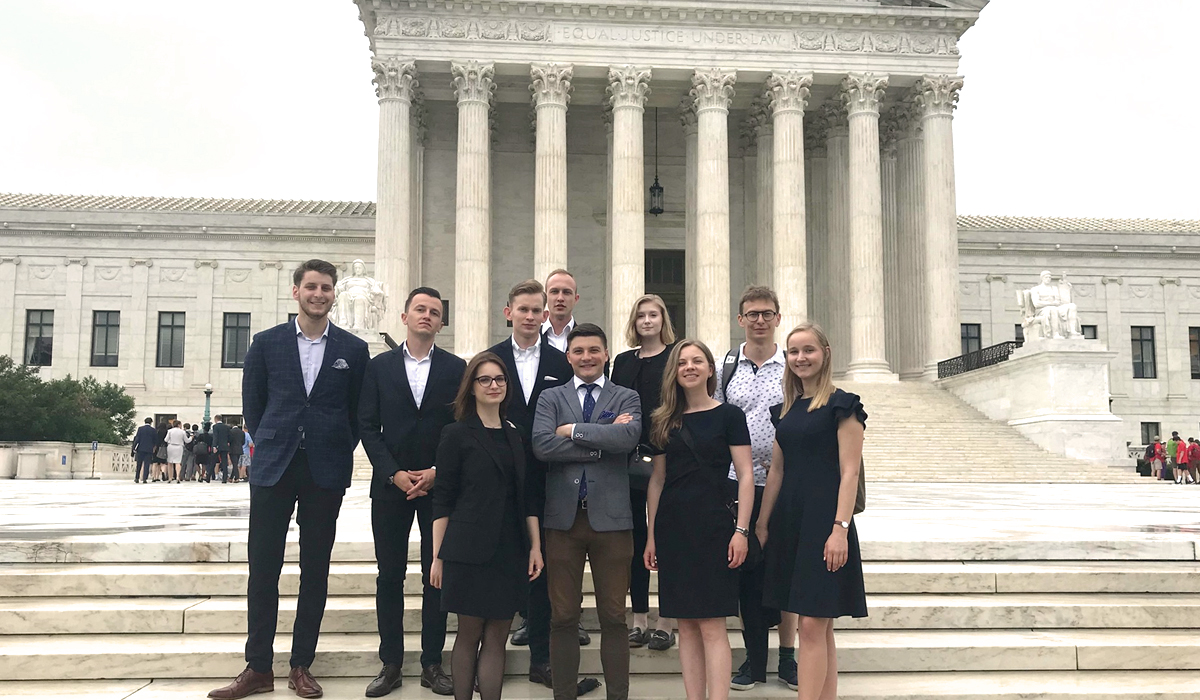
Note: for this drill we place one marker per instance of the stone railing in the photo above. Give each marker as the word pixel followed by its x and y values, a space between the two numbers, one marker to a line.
pixel 64 460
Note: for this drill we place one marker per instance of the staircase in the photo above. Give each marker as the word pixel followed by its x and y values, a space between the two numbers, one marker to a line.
pixel 917 432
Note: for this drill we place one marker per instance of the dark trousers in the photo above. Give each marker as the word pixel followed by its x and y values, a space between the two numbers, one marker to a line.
pixel 141 472
pixel 537 619
pixel 391 522
pixel 609 553
pixel 757 619
pixel 270 516
pixel 639 575
pixel 223 463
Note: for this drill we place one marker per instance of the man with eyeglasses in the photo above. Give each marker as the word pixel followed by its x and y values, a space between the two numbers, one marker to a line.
pixel 407 399
pixel 751 378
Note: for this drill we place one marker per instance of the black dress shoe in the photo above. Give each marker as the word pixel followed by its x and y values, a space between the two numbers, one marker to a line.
pixel 389 679
pixel 434 678
pixel 541 674
pixel 584 638
pixel 520 637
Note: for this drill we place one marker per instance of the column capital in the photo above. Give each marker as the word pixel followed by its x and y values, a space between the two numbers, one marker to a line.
pixel 863 92
pixel 75 260
pixel 816 130
pixel 713 88
pixel 788 91
pixel 937 95
pixel 834 115
pixel 628 86
pixel 550 83
pixel 395 79
pixel 995 278
pixel 687 115
pixel 1112 280
pixel 907 118
pixel 891 130
pixel 473 81
pixel 213 264
pixel 14 259
pixel 760 116
pixel 264 264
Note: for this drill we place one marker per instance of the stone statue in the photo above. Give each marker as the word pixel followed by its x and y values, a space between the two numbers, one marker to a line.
pixel 1048 310
pixel 359 300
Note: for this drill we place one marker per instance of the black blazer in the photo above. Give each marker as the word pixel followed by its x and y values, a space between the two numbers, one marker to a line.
pixel 553 370
pixel 470 490
pixel 221 437
pixel 397 435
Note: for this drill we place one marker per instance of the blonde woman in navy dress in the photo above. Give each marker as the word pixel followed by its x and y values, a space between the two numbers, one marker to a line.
pixel 813 564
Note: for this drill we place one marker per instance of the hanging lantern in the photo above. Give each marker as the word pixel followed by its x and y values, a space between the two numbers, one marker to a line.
pixel 656 190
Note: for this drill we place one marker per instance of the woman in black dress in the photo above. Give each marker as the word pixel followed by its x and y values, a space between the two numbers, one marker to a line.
pixel 813 564
pixel 486 541
pixel 641 369
pixel 694 542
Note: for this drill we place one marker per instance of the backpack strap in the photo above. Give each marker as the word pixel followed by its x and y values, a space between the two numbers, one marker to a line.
pixel 728 367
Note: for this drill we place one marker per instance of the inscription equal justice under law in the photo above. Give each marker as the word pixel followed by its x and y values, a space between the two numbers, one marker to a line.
pixel 686 36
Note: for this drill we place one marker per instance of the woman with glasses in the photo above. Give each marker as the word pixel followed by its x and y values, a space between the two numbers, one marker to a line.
pixel 486 541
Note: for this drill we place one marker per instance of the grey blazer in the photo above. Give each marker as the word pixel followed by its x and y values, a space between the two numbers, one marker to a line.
pixel 599 447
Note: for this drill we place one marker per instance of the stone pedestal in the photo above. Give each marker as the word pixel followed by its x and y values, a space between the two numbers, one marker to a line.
pixel 1054 392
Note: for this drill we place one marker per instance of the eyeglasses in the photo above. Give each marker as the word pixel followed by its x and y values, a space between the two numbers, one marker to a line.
pixel 764 315
pixel 498 380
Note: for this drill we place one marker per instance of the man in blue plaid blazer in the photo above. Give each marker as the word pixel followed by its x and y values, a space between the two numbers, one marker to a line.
pixel 300 387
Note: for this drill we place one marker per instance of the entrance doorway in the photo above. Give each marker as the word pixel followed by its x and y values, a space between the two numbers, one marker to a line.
pixel 666 276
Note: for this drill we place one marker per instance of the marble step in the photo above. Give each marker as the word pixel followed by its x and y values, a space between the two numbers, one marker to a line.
pixel 356 614
pixel 1019 685
pixel 81 657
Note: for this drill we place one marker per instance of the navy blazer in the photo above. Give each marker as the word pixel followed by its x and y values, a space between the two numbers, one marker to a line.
pixel 278 413
pixel 396 434
pixel 145 439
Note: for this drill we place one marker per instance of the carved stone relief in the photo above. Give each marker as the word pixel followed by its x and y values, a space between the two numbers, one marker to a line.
pixel 237 275
pixel 108 272
pixel 173 274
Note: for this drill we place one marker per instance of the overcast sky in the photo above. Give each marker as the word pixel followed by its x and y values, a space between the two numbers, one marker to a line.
pixel 1071 107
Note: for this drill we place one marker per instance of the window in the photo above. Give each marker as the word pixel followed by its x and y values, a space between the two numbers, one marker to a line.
pixel 1149 432
pixel 1144 366
pixel 1194 350
pixel 39 338
pixel 235 340
pixel 1090 332
pixel 170 338
pixel 106 335
pixel 163 418
pixel 1019 333
pixel 971 334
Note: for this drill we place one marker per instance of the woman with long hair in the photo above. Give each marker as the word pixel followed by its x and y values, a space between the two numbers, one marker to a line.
pixel 814 567
pixel 697 539
pixel 652 336
pixel 486 541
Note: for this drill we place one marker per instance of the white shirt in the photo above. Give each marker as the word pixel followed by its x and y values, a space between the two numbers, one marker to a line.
pixel 583 392
pixel 312 354
pixel 527 362
pixel 755 392
pixel 558 341
pixel 417 371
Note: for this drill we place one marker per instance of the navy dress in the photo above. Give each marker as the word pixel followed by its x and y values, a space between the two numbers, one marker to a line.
pixel 692 526
pixel 804 514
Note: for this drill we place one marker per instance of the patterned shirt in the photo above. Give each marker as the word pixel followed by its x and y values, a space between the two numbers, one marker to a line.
pixel 755 390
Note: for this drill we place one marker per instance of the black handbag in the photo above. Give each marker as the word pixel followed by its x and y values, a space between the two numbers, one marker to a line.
pixel 641 466
pixel 754 553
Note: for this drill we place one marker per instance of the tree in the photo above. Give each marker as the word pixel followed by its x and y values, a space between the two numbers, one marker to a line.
pixel 66 410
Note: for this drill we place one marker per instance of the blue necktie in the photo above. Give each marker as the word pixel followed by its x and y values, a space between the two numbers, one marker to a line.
pixel 589 405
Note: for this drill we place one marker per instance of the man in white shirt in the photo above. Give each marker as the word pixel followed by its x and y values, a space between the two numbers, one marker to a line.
pixel 563 294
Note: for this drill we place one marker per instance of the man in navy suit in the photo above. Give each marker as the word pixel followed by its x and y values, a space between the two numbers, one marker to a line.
pixel 300 388
pixel 143 450
pixel 534 365
pixel 407 398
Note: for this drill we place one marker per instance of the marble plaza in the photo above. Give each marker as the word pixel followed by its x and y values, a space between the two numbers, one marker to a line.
pixel 1058 591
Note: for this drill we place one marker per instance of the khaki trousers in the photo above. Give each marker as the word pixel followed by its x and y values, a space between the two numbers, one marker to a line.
pixel 610 554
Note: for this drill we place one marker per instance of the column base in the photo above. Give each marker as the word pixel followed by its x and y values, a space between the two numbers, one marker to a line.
pixel 871 372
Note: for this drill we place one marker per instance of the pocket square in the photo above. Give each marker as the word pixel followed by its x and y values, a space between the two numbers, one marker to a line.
pixel 340 364
pixel 548 378
pixel 605 415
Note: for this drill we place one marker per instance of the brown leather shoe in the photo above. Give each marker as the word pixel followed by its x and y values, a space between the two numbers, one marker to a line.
pixel 434 678
pixel 301 681
pixel 247 683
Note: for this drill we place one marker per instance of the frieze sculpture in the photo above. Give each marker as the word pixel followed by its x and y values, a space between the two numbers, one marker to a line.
pixel 1048 311
pixel 359 301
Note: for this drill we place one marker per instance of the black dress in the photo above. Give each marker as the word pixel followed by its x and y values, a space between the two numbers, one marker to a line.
pixel 804 514
pixel 496 589
pixel 692 527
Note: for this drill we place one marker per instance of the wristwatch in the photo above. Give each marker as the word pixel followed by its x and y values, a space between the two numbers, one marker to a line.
pixel 744 531
pixel 844 523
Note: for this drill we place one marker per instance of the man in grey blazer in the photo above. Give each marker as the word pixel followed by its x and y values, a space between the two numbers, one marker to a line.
pixel 584 430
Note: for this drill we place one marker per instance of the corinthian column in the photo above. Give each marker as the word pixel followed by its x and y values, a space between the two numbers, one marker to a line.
pixel 628 87
pixel 763 134
pixel 395 83
pixel 687 116
pixel 473 207
pixel 816 169
pixel 712 90
pixel 889 131
pixel 910 241
pixel 938 95
pixel 788 92
pixel 551 88
pixel 862 93
pixel 837 323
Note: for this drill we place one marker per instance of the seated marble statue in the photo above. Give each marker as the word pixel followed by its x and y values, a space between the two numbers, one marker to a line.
pixel 1053 312
pixel 359 300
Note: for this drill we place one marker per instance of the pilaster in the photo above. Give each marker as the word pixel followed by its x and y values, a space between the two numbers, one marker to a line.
pixel 136 345
pixel 8 310
pixel 1175 340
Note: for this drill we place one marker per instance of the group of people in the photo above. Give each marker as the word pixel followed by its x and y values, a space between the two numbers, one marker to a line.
pixel 1175 460
pixel 179 452
pixel 531 460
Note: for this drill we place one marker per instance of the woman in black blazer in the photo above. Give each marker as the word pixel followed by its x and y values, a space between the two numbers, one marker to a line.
pixel 486 541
